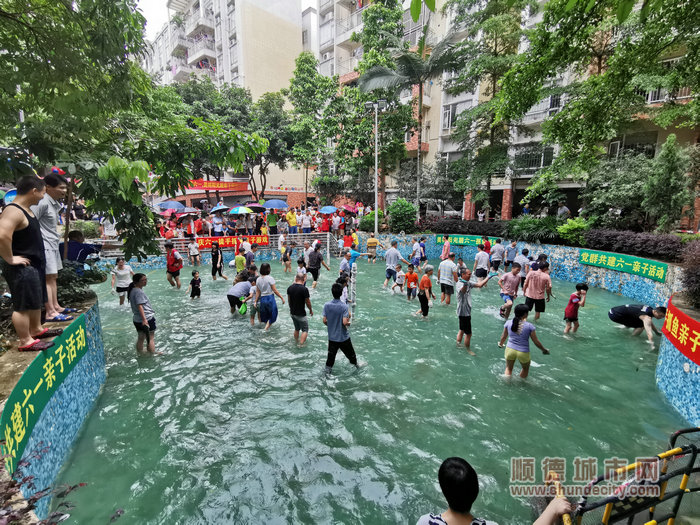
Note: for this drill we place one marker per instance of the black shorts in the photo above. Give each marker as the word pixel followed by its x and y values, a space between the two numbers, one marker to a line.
pixel 422 259
pixel 27 285
pixel 176 273
pixel 539 304
pixel 629 322
pixel 495 265
pixel 140 327
pixel 234 301
pixel 522 282
pixel 481 273
pixel 195 292
pixel 285 257
pixel 314 273
pixel 507 263
pixel 447 289
pixel 424 305
pixel 465 324
pixel 122 289
pixel 571 319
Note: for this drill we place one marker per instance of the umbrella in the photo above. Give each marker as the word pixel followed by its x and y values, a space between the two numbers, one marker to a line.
pixel 240 210
pixel 189 209
pixel 10 196
pixel 168 213
pixel 328 209
pixel 276 204
pixel 218 208
pixel 349 208
pixel 256 207
pixel 172 204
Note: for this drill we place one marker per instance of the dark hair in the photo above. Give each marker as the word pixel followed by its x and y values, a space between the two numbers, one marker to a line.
pixel 75 235
pixel 661 309
pixel 581 286
pixel 119 259
pixel 169 245
pixel 516 265
pixel 498 240
pixel 194 272
pixel 337 290
pixel 480 246
pixel 301 260
pixel 394 243
pixel 265 269
pixel 525 251
pixel 254 245
pixel 543 265
pixel 252 279
pixel 241 250
pixel 520 311
pixel 542 257
pixel 411 267
pixel 317 247
pixel 135 279
pixel 214 245
pixel 459 484
pixel 28 183
pixel 252 268
pixel 485 237
pixel 54 180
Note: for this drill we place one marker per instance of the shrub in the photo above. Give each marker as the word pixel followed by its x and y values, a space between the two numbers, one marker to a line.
pixel 657 246
pixel 691 273
pixel 90 229
pixel 533 229
pixel 573 231
pixel 402 216
pixel 367 222
pixel 443 225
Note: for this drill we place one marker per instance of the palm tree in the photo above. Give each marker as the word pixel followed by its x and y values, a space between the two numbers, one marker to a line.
pixel 412 67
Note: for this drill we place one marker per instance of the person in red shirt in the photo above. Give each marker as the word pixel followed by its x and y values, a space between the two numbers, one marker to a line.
pixel 425 291
pixel 487 244
pixel 347 240
pixel 411 282
pixel 576 300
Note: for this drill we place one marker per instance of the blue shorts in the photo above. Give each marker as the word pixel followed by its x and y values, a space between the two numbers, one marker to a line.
pixel 391 274
pixel 506 297
pixel 415 262
pixel 411 292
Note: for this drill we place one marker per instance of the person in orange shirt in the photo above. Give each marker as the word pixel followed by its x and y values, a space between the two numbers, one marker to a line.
pixel 425 291
pixel 411 283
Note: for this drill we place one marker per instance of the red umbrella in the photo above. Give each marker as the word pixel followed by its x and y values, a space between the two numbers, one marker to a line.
pixel 349 208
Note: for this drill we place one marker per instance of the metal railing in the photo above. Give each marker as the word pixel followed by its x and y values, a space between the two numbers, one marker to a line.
pixel 197 20
pixel 351 22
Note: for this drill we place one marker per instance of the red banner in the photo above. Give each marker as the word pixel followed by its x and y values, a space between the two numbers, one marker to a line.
pixel 233 241
pixel 213 185
pixel 683 331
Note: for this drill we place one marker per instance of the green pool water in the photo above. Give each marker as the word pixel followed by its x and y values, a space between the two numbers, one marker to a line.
pixel 235 425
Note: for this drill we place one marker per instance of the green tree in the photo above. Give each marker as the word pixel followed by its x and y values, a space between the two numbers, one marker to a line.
pixel 272 122
pixel 615 65
pixel 667 190
pixel 488 52
pixel 308 92
pixel 411 68
pixel 402 216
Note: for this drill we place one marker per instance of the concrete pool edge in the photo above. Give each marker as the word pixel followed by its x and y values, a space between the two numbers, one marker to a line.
pixel 51 440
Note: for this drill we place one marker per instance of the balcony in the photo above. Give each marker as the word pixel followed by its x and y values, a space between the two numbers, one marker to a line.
pixel 181 71
pixel 198 23
pixel 347 65
pixel 661 95
pixel 203 48
pixel 179 44
pixel 325 5
pixel 544 109
pixel 346 26
pixel 327 68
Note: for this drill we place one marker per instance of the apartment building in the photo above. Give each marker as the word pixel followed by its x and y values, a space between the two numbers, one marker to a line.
pixel 249 43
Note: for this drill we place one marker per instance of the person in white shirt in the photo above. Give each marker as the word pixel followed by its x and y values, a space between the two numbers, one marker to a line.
pixel 193 251
pixel 400 279
pixel 306 222
pixel 121 279
pixel 524 263
pixel 246 245
pixel 447 276
pixel 335 224
pixel 481 264
pixel 307 250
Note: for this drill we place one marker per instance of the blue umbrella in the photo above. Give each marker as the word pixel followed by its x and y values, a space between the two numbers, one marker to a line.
pixel 276 204
pixel 218 208
pixel 328 209
pixel 174 205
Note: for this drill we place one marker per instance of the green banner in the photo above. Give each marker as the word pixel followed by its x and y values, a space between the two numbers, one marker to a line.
pixel 36 386
pixel 461 240
pixel 625 263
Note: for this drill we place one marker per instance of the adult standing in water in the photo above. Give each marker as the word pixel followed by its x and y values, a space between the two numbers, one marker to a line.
pixel 392 258
pixel 372 244
pixel 315 262
pixel 173 264
pixel 639 317
pixel 445 248
pixel 217 261
pixel 336 316
pixel 299 300
pixel 265 296
pixel 518 332
pixel 121 279
pixel 23 262
pixel 144 316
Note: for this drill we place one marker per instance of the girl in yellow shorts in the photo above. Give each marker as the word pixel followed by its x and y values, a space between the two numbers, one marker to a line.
pixel 518 332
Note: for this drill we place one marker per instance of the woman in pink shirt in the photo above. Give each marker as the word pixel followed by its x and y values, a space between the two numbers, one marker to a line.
pixel 445 248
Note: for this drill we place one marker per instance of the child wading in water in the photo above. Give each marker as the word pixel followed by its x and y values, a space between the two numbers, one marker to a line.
pixel 400 279
pixel 576 301
pixel 144 316
pixel 195 286
pixel 425 292
pixel 519 332
pixel 411 283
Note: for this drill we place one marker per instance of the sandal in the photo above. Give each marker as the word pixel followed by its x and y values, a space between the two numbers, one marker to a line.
pixel 69 311
pixel 60 318
pixel 48 332
pixel 35 346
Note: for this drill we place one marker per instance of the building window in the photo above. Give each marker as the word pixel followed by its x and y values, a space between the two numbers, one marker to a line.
pixel 532 157
pixel 305 36
pixel 449 115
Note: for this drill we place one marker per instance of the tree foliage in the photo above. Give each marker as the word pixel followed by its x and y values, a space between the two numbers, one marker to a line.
pixel 402 216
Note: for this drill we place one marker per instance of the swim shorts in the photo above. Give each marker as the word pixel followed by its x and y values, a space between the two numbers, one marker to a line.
pixel 481 273
pixel 301 323
pixel 314 273
pixel 517 355
pixel 176 273
pixel 465 324
pixel 27 286
pixel 571 319
pixel 506 297
pixel 447 289
pixel 539 304
pixel 390 274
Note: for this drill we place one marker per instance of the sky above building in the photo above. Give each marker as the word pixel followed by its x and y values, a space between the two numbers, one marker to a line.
pixel 156 13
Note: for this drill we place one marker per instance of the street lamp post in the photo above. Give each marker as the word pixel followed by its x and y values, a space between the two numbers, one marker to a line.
pixel 379 104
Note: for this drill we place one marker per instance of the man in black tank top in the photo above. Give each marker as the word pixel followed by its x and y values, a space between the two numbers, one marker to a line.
pixel 23 263
pixel 639 317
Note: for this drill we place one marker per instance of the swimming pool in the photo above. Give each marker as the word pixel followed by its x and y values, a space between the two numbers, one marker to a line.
pixel 235 425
